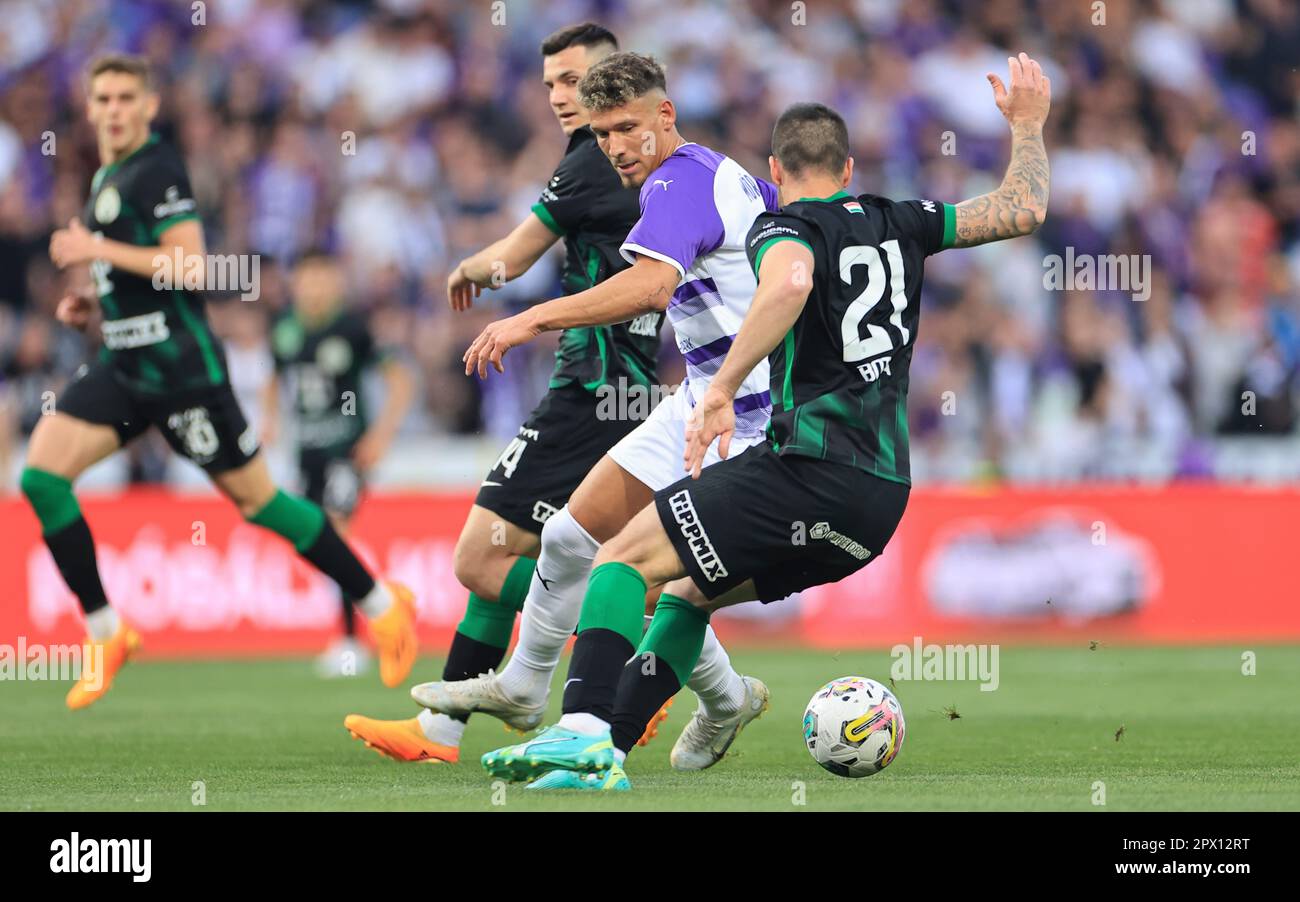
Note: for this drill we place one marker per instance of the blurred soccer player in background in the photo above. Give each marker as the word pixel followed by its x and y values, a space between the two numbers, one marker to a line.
pixel 324 350
pixel 162 366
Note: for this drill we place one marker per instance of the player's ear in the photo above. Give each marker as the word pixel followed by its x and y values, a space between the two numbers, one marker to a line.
pixel 667 114
pixel 848 172
pixel 151 101
pixel 775 168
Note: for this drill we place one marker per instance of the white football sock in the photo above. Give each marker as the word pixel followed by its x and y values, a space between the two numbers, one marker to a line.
pixel 103 624
pixel 620 757
pixel 586 724
pixel 376 602
pixel 720 689
pixel 440 728
pixel 552 608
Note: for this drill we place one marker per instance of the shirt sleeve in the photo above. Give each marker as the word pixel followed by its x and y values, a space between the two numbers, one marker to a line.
pixel 163 198
pixel 770 228
pixel 570 194
pixel 679 218
pixel 930 223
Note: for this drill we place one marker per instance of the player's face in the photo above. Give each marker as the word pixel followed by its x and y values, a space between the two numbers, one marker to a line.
pixel 635 136
pixel 561 73
pixel 317 289
pixel 120 108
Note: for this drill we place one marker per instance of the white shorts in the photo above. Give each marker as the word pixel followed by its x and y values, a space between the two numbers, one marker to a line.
pixel 653 451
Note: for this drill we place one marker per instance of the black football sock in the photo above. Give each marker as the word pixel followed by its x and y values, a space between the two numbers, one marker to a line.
pixel 467 658
pixel 306 526
pixel 66 534
pixel 332 556
pixel 73 549
pixel 664 661
pixel 349 616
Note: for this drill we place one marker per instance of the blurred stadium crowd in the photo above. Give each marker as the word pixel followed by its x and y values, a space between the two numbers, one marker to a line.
pixel 1175 133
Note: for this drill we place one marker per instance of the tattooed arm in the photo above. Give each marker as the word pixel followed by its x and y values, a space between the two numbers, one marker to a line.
pixel 1019 205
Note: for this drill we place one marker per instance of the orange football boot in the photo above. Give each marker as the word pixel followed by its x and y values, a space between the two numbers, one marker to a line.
pixel 652 728
pixel 109 655
pixel 401 740
pixel 394 635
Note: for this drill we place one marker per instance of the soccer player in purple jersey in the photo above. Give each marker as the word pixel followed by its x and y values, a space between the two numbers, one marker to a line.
pixel 687 252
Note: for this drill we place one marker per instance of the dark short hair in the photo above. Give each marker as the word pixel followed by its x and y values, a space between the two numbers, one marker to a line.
pixel 122 62
pixel 586 34
pixel 620 78
pixel 810 136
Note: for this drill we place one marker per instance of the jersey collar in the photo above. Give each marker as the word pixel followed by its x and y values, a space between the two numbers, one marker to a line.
pixel 105 171
pixel 838 195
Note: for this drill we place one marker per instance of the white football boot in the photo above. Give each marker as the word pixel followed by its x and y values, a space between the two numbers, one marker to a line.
pixel 479 695
pixel 704 741
pixel 346 657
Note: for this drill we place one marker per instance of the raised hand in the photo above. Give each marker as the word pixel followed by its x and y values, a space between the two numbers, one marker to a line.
pixel 1030 95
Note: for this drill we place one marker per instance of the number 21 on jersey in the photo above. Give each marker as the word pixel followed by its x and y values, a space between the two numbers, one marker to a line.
pixel 878 341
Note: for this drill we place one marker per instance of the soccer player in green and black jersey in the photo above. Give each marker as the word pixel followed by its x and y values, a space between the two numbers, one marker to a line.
pixel 161 366
pixel 585 205
pixel 323 350
pixel 835 314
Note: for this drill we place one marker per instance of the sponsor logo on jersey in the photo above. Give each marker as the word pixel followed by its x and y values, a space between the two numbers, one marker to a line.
pixel 839 540
pixel 771 231
pixel 688 521
pixel 646 324
pixel 173 204
pixel 928 206
pixel 136 331
pixel 872 369
pixel 108 205
pixel 664 182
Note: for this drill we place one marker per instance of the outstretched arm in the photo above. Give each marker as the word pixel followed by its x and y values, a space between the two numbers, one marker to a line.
pixel 1019 205
pixel 499 262
pixel 647 285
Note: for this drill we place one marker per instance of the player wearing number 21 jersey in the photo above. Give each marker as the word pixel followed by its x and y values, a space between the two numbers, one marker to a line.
pixel 835 314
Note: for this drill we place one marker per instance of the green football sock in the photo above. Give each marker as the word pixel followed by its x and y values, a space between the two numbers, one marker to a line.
pixel 676 635
pixel 493 622
pixel 615 601
pixel 296 519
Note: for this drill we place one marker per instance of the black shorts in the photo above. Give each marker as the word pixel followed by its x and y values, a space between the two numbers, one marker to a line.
pixel 331 479
pixel 786 522
pixel 557 446
pixel 205 424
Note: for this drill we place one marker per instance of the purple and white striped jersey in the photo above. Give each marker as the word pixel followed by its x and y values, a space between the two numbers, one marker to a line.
pixel 696 211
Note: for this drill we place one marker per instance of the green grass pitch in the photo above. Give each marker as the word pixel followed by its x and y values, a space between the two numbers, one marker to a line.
pixel 267 734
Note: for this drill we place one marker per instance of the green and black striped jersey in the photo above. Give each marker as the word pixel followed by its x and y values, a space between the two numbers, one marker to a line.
pixel 586 204
pixel 157 339
pixel 839 378
pixel 325 363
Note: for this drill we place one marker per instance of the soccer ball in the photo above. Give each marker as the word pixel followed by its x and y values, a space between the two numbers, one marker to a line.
pixel 853 726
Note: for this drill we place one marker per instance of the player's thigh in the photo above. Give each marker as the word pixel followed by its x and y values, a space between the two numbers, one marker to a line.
pixel 644 545
pixel 67 446
pixel 249 486
pixel 607 500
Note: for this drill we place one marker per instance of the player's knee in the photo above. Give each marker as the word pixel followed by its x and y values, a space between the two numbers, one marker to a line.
pixel 50 496
pixel 562 534
pixel 471 563
pixel 686 590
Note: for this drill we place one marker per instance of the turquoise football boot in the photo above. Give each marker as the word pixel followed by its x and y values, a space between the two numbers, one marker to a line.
pixel 612 780
pixel 555 748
